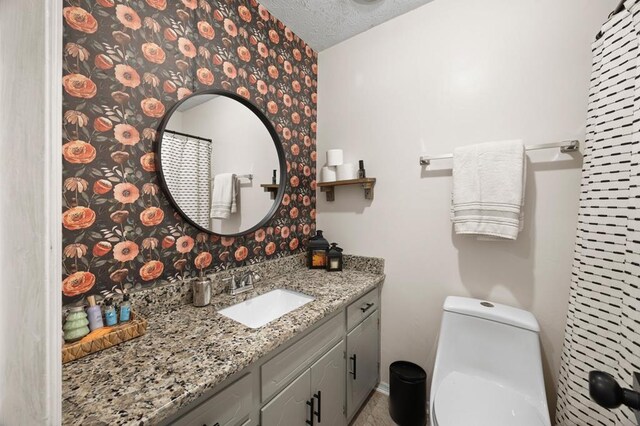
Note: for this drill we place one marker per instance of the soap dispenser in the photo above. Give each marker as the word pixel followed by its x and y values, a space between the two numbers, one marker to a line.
pixel 201 288
pixel 125 309
pixel 110 315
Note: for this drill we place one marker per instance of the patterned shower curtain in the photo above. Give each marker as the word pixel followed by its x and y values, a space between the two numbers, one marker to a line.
pixel 188 175
pixel 603 323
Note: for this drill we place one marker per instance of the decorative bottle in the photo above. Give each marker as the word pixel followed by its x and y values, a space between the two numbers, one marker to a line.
pixel 361 172
pixel 125 309
pixel 110 316
pixel 94 313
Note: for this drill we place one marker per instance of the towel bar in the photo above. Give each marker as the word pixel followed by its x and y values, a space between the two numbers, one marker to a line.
pixel 247 176
pixel 565 146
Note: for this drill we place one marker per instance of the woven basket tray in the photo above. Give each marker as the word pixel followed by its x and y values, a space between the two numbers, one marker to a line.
pixel 104 338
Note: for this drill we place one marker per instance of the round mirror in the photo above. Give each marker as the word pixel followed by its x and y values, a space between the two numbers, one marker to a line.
pixel 221 163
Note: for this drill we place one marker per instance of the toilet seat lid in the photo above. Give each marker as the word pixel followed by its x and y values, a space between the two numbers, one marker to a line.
pixel 462 399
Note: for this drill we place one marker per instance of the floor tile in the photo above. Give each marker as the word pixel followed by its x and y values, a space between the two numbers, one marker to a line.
pixel 375 412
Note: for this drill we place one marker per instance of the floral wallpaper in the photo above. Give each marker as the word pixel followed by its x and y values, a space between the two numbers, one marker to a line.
pixel 126 62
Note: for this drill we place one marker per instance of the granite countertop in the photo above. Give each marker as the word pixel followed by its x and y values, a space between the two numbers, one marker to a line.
pixel 187 351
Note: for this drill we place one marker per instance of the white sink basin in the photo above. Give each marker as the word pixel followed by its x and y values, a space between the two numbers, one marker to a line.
pixel 260 310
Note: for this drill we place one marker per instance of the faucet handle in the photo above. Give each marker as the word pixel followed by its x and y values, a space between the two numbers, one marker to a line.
pixel 232 282
pixel 252 277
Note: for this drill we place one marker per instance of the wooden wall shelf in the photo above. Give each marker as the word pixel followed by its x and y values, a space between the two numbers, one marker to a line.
pixel 367 184
pixel 272 188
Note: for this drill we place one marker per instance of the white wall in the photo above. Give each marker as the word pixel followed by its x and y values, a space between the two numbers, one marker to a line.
pixel 176 123
pixel 453 73
pixel 30 171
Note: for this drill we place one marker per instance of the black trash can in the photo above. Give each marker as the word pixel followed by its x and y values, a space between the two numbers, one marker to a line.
pixel 407 394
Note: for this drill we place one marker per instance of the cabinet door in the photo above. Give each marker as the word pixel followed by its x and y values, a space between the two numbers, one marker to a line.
pixel 328 388
pixel 291 362
pixel 362 362
pixel 227 408
pixel 289 407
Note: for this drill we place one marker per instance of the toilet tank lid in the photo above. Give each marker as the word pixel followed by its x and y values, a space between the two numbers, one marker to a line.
pixel 492 311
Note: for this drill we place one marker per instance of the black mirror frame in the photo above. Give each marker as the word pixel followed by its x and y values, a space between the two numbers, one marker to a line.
pixel 276 141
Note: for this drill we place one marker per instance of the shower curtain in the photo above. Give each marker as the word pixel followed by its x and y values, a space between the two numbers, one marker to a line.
pixel 603 322
pixel 188 175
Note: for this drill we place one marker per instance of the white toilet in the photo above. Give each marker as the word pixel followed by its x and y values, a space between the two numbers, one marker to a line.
pixel 488 370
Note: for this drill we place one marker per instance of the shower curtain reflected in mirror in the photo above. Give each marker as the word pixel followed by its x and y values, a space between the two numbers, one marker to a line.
pixel 189 174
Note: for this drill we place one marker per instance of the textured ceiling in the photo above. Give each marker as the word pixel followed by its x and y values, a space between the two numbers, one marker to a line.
pixel 323 23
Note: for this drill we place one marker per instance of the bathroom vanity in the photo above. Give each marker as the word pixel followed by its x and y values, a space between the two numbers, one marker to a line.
pixel 322 377
pixel 316 364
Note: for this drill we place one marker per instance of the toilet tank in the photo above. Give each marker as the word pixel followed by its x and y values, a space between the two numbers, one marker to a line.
pixel 496 342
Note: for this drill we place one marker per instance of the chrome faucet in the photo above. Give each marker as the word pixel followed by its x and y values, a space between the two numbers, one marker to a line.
pixel 248 279
pixel 233 285
pixel 246 282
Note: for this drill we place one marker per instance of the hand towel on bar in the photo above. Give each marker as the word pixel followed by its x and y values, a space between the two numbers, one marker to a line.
pixel 223 199
pixel 488 189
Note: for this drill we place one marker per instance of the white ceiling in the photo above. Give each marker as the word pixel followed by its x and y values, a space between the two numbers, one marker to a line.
pixel 323 23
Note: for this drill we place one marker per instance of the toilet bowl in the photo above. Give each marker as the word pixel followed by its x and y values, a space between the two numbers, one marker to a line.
pixel 488 369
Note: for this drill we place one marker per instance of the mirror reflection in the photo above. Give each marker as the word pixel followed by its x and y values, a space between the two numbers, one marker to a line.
pixel 220 164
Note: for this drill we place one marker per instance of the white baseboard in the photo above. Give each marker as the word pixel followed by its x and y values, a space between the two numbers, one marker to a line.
pixel 383 388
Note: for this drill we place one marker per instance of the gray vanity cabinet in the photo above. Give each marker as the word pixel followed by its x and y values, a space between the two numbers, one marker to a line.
pixel 362 362
pixel 320 388
pixel 328 371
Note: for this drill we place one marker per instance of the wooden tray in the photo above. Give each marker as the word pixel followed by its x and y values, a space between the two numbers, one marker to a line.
pixel 104 338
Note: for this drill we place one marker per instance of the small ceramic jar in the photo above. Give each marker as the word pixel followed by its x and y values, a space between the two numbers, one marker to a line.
pixel 76 325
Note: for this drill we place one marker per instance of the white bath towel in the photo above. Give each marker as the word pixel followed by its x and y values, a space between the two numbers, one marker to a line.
pixel 223 199
pixel 488 189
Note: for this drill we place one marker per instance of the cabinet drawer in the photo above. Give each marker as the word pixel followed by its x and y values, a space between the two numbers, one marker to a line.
pixel 362 308
pixel 288 364
pixel 226 408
